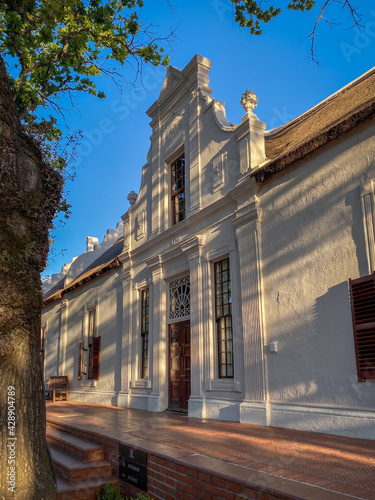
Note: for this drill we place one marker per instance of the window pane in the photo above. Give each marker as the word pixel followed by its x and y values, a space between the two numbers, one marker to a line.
pixel 178 189
pixel 145 320
pixel 224 318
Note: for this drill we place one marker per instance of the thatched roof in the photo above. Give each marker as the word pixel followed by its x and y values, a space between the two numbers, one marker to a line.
pixel 328 120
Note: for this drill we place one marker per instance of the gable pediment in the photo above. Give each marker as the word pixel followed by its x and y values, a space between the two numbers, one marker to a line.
pixel 173 78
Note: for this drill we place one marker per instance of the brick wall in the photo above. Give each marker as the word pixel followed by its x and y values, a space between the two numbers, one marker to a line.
pixel 171 479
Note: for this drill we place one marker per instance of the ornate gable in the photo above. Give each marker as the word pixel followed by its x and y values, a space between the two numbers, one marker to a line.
pixel 173 78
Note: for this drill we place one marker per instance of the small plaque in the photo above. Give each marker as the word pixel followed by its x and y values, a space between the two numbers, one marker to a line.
pixel 133 467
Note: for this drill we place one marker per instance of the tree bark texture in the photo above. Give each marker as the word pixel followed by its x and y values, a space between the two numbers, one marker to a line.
pixel 29 197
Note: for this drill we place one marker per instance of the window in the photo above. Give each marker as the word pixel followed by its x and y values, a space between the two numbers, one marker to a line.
pixel 94 347
pixel 145 322
pixel 178 189
pixel 223 306
pixel 363 314
pixel 81 350
pixel 42 343
pixel 179 298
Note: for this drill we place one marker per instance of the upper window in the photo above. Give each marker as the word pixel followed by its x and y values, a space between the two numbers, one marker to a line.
pixel 178 189
pixel 363 313
pixel 223 304
pixel 145 320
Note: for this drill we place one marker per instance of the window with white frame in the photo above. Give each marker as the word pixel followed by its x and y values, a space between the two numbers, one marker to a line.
pixel 93 346
pixel 145 324
pixel 178 189
pixel 223 314
pixel 42 343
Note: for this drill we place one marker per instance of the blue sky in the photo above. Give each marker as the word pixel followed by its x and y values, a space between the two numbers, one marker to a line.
pixel 116 130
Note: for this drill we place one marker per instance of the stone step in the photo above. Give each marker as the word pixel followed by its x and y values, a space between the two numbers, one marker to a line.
pixel 77 447
pixel 73 469
pixel 84 489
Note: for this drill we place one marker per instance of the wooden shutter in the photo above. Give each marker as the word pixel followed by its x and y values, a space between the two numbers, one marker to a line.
pixel 95 358
pixel 80 359
pixel 363 314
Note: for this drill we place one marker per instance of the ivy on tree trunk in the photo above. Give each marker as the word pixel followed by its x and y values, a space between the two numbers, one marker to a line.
pixel 30 192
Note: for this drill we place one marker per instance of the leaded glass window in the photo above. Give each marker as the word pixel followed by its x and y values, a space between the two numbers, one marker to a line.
pixel 179 298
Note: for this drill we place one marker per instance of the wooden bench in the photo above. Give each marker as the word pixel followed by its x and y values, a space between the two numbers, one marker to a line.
pixel 58 388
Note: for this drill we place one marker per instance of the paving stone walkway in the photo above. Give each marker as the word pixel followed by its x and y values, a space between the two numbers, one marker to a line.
pixel 336 467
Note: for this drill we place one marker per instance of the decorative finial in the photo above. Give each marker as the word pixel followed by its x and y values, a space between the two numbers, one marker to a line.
pixel 132 196
pixel 249 101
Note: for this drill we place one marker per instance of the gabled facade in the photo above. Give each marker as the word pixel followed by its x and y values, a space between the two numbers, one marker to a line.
pixel 227 293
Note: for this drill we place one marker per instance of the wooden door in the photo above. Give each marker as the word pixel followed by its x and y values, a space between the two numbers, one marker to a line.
pixel 179 365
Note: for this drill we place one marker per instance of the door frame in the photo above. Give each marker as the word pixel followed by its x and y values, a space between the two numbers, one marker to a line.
pixel 184 366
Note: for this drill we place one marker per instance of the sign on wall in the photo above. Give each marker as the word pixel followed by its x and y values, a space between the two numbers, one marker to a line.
pixel 133 467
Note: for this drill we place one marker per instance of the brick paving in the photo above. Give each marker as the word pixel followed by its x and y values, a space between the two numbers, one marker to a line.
pixel 332 466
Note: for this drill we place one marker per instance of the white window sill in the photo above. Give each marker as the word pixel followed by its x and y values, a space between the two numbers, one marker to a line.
pixel 222 385
pixel 143 383
pixel 89 384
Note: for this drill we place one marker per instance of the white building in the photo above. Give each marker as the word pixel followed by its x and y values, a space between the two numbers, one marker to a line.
pixel 226 292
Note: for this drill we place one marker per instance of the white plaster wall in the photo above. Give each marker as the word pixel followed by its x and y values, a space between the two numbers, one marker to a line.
pixel 106 294
pixel 312 243
pixel 51 318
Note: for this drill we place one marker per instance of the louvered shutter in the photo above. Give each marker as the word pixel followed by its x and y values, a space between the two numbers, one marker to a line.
pixel 80 360
pixel 95 358
pixel 363 313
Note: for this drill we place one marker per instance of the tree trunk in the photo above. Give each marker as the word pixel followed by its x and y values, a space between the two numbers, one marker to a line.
pixel 29 197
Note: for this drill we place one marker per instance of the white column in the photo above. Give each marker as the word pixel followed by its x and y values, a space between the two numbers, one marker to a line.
pixel 118 321
pixel 247 224
pixel 193 248
pixel 367 203
pixel 126 337
pixel 158 399
pixel 157 174
pixel 194 165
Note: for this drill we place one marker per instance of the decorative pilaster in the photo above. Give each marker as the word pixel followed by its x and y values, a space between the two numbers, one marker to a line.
pixel 158 332
pixel 368 215
pixel 247 224
pixel 126 338
pixel 118 354
pixel 250 135
pixel 157 175
pixel 197 71
pixel 194 163
pixel 193 248
pixel 127 231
